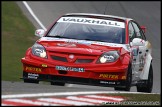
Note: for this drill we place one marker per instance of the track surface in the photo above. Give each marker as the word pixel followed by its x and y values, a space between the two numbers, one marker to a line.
pixel 145 13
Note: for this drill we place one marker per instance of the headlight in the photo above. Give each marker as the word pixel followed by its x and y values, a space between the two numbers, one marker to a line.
pixel 110 56
pixel 39 50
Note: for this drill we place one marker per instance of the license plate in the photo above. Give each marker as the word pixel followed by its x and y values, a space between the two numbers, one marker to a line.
pixel 64 68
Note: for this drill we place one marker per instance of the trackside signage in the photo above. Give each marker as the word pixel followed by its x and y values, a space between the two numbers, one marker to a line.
pixel 92 21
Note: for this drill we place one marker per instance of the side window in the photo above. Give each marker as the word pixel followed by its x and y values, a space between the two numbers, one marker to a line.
pixel 131 32
pixel 138 31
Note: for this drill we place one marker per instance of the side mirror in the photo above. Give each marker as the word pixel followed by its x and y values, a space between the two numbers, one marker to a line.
pixel 138 42
pixel 39 32
pixel 143 28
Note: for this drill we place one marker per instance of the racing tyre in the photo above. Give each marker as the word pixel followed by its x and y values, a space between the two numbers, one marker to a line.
pixel 58 83
pixel 31 81
pixel 146 85
pixel 128 81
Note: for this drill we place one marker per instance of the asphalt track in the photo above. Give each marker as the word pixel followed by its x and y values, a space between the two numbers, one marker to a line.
pixel 145 13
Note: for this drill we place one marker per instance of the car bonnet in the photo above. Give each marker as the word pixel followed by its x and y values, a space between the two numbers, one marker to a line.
pixel 93 47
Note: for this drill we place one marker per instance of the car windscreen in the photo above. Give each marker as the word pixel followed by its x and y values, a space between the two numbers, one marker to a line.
pixel 89 29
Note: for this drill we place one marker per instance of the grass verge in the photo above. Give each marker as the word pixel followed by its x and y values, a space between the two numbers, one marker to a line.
pixel 17 36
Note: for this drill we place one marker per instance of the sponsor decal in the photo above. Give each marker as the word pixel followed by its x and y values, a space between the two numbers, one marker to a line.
pixel 123 77
pixel 34 69
pixel 33 76
pixel 109 76
pixel 85 42
pixel 92 21
pixel 51 39
pixel 79 41
pixel 66 45
pixel 107 82
pixel 44 65
pixel 141 63
pixel 135 51
pixel 125 46
pixel 72 41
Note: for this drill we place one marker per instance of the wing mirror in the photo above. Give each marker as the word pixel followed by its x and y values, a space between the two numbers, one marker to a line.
pixel 39 32
pixel 138 42
pixel 143 29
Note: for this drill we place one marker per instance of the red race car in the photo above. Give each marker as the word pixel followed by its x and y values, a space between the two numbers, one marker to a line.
pixel 92 49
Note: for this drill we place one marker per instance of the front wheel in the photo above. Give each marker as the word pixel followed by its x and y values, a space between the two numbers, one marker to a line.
pixel 128 81
pixel 146 85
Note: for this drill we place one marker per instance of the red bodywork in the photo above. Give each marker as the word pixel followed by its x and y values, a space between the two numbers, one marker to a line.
pixel 114 71
pixel 80 51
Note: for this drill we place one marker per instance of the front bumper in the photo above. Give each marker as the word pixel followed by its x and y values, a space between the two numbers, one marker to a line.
pixel 75 80
pixel 94 74
pixel 92 71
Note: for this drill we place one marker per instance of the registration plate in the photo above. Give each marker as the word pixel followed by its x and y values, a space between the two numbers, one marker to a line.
pixel 64 68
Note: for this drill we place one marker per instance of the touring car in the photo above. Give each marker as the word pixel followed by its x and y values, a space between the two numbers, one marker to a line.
pixel 91 49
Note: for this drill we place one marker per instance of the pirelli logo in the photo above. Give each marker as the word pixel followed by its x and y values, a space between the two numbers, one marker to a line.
pixel 109 76
pixel 92 21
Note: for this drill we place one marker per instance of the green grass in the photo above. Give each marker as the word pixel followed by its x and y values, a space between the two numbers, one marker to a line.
pixel 17 37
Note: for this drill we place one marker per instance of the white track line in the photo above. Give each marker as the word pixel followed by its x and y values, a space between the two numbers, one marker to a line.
pixel 32 13
pixel 96 101
pixel 64 101
pixel 105 97
pixel 66 93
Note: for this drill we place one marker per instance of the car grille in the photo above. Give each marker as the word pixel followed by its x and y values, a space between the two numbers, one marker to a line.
pixel 64 59
pixel 58 58
pixel 84 61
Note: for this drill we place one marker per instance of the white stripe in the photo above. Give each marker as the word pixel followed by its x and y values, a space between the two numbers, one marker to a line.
pixel 62 101
pixel 67 93
pixel 6 104
pixel 85 99
pixel 125 46
pixel 32 13
pixel 105 97
pixel 31 102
